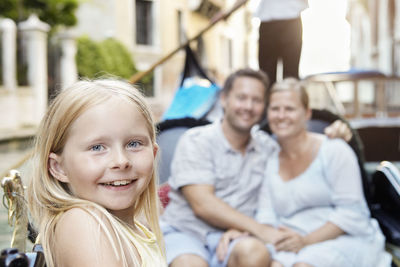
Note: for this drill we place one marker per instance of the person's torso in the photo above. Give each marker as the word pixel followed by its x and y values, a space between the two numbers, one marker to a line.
pixel 237 180
pixel 269 10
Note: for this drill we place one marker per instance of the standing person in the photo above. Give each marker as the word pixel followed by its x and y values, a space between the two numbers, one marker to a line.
pixel 313 194
pixel 94 179
pixel 280 36
pixel 216 174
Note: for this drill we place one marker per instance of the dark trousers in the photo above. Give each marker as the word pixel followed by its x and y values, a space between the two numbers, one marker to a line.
pixel 280 39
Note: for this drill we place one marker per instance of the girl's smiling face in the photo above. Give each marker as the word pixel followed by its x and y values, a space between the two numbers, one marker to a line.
pixel 108 157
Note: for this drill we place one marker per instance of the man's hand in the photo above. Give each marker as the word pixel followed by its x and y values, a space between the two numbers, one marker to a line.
pixel 290 240
pixel 227 237
pixel 339 129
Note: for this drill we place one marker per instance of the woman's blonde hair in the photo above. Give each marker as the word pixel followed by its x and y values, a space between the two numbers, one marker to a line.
pixel 48 197
pixel 291 84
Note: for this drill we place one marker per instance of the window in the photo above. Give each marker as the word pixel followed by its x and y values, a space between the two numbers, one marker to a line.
pixel 375 22
pixel 181 29
pixel 1 58
pixel 144 22
pixel 227 53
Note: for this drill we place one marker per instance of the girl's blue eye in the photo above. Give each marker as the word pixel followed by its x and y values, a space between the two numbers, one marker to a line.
pixel 134 144
pixel 96 148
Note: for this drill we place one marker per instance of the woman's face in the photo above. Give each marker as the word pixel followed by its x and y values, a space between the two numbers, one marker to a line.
pixel 287 116
pixel 108 156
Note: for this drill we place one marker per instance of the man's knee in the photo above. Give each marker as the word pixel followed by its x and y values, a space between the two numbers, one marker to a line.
pixel 185 260
pixel 249 252
pixel 276 264
pixel 302 264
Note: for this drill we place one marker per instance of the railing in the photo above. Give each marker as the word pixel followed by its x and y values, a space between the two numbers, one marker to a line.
pixel 386 96
pixel 32 39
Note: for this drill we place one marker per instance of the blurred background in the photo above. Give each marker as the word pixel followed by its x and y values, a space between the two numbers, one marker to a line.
pixel 47 45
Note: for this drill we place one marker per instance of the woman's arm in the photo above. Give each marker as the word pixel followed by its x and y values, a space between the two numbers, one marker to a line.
pixel 339 129
pixel 342 173
pixel 326 232
pixel 293 241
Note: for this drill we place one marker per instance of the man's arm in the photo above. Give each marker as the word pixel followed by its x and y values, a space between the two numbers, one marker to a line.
pixel 216 212
pixel 339 129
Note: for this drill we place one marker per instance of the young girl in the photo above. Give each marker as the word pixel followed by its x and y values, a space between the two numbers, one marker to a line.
pixel 95 177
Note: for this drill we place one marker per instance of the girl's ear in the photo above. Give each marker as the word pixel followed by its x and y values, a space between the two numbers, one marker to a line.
pixel 155 150
pixel 55 168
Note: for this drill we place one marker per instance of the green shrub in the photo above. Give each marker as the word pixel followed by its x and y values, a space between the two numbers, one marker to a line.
pixel 117 58
pixel 107 57
pixel 88 58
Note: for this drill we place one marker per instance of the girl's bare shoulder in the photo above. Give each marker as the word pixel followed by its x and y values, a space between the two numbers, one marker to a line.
pixel 80 240
pixel 78 220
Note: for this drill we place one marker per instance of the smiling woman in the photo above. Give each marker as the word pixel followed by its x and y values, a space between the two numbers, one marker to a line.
pixel 312 195
pixel 94 177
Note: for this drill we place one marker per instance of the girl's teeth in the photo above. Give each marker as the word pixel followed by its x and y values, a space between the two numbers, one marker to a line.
pixel 118 183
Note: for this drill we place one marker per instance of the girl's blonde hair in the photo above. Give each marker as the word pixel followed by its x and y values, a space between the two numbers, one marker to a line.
pixel 48 197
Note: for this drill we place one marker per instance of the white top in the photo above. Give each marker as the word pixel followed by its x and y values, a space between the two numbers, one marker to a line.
pixel 280 9
pixel 330 189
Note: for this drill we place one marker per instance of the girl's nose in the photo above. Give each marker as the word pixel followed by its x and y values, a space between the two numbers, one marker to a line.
pixel 120 159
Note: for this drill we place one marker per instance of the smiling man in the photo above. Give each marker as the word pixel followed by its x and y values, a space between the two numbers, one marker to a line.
pixel 215 178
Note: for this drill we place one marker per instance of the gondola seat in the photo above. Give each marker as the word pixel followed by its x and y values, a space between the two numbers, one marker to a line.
pixel 386 200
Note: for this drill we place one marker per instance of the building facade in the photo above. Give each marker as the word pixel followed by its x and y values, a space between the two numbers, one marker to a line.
pixel 375 45
pixel 375 35
pixel 151 29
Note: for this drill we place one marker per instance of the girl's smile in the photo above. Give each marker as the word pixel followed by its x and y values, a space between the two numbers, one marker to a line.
pixel 119 185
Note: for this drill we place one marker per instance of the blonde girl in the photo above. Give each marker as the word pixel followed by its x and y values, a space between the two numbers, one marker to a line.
pixel 94 178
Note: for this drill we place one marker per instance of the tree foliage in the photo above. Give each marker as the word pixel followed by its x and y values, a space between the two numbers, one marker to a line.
pixel 108 58
pixel 105 57
pixel 53 12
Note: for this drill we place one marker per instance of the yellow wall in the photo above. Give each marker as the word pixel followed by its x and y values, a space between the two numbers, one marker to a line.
pixel 119 18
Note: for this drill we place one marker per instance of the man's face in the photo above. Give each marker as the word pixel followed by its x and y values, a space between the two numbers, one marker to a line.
pixel 244 104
